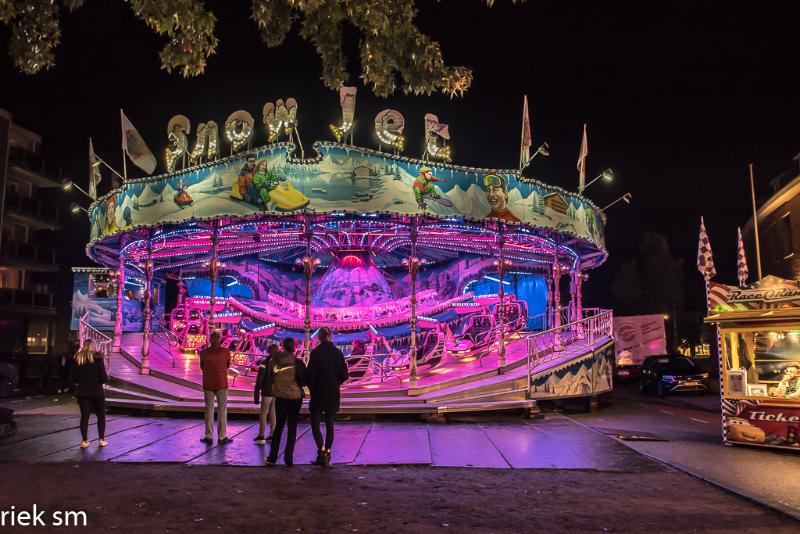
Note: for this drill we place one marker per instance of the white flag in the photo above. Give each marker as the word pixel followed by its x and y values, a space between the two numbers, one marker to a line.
pixel 526 140
pixel 582 161
pixel 134 146
pixel 94 172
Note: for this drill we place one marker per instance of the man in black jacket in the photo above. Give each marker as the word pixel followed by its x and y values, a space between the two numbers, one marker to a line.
pixel 326 372
pixel 265 398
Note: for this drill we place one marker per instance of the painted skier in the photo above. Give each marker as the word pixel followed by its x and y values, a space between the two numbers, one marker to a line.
pixel 424 189
pixel 243 186
pixel 264 182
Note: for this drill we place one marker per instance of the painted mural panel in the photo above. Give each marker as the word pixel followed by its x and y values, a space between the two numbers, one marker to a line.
pixel 343 178
pixel 582 377
pixel 100 302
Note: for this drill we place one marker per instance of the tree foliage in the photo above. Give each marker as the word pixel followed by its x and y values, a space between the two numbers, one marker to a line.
pixel 392 49
pixel 651 281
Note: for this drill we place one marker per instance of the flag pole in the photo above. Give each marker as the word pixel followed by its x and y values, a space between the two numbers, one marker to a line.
pixel 124 151
pixel 755 222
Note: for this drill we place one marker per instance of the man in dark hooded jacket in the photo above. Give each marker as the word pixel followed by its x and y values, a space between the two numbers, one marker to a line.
pixel 326 372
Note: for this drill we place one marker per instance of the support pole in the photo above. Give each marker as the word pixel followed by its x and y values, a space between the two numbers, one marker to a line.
pixel 413 266
pixel 213 268
pixel 558 344
pixel 755 222
pixel 120 294
pixel 148 280
pixel 308 268
pixel 501 268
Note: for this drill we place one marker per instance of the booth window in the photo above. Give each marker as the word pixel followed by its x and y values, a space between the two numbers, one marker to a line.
pixel 762 363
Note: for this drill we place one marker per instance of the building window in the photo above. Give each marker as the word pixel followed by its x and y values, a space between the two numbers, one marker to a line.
pixel 38 337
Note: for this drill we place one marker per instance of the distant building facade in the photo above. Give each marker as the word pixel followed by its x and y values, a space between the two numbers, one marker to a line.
pixel 30 219
pixel 778 228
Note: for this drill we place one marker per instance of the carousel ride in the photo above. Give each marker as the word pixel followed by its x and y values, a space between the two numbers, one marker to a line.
pixel 420 270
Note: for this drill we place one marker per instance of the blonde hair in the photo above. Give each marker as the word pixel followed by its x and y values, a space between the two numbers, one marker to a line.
pixel 86 354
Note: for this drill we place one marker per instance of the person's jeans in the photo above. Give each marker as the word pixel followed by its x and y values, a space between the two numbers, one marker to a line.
pixel 222 418
pixel 87 406
pixel 316 419
pixel 286 410
pixel 267 408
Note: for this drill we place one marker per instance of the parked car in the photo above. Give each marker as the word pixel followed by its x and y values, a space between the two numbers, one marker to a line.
pixel 671 373
pixel 627 368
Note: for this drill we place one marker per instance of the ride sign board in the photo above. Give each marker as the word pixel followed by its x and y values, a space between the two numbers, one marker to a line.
pixel 639 336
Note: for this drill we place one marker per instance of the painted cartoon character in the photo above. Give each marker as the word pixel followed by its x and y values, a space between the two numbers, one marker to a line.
pixel 111 215
pixel 741 430
pixel 424 188
pixel 243 188
pixel 497 196
pixel 264 182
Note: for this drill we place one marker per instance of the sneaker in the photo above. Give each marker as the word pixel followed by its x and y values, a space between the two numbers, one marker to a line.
pixel 269 462
pixel 288 462
pixel 320 461
pixel 103 443
pixel 84 444
pixel 269 438
pixel 260 441
pixel 225 441
pixel 326 459
pixel 258 438
pixel 207 441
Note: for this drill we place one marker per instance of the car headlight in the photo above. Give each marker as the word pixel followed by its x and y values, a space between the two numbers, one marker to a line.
pixel 704 376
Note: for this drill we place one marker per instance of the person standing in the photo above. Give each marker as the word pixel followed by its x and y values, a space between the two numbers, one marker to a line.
pixel 327 371
pixel 284 378
pixel 214 362
pixel 87 374
pixel 266 400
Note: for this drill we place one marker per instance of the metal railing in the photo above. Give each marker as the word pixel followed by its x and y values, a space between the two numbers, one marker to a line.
pixel 573 338
pixel 102 342
pixel 165 339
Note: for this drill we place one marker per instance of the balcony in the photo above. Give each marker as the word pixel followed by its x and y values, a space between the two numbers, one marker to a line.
pixel 37 214
pixel 23 301
pixel 34 167
pixel 28 256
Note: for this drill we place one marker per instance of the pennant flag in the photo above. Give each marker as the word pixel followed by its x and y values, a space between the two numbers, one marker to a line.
pixel 94 172
pixel 582 161
pixel 134 146
pixel 526 139
pixel 742 262
pixel 705 260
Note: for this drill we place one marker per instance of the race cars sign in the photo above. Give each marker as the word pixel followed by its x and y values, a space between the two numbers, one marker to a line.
pixel 768 293
pixel 343 178
pixel 770 423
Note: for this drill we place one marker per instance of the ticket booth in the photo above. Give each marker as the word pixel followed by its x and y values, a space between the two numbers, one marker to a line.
pixel 759 334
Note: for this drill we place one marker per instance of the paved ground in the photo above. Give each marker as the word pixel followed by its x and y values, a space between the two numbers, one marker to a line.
pixel 556 475
pixel 695 445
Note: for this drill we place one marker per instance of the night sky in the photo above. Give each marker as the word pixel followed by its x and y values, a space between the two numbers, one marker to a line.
pixel 678 98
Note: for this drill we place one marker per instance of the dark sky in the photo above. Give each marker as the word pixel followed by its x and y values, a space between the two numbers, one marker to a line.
pixel 678 97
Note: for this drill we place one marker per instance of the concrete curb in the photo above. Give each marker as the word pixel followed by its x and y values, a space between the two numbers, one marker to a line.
pixel 776 506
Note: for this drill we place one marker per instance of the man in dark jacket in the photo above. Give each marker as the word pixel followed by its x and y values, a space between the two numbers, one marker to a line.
pixel 264 397
pixel 326 372
pixel 214 362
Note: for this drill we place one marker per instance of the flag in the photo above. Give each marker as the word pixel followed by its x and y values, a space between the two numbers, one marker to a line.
pixel 526 140
pixel 94 172
pixel 705 260
pixel 582 161
pixel 134 146
pixel 742 261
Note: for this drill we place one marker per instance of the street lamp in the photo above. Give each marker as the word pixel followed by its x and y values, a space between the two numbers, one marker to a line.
pixel 625 198
pixel 607 175
pixel 76 209
pixel 67 184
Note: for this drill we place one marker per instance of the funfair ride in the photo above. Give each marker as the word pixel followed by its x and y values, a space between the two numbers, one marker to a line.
pixel 416 267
